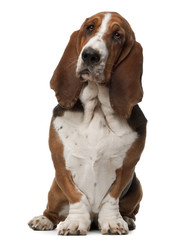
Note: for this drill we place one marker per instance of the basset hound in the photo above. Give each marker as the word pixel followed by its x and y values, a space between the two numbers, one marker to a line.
pixel 97 132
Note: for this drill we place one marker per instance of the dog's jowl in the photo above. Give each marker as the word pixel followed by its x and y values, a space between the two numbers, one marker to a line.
pixel 97 131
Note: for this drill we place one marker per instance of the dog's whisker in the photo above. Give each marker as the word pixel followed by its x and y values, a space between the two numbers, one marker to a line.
pixel 73 63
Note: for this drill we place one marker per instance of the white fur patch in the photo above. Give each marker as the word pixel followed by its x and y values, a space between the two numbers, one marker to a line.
pixel 95 143
pixel 110 218
pixel 77 220
pixel 64 212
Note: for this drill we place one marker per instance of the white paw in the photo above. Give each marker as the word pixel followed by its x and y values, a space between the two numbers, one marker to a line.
pixel 41 223
pixel 78 225
pixel 113 226
pixel 110 219
pixel 78 219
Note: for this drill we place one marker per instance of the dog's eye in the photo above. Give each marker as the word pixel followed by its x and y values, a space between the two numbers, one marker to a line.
pixel 90 28
pixel 117 35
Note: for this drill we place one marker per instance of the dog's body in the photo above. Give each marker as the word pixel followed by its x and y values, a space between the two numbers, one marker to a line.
pixel 95 144
pixel 97 131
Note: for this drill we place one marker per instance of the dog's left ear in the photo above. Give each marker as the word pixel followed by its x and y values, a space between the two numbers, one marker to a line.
pixel 125 87
pixel 64 81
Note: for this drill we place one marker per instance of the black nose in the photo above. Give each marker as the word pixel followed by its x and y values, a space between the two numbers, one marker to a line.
pixel 90 56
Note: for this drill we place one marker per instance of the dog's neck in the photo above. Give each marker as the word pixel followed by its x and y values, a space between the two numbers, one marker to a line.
pixel 95 100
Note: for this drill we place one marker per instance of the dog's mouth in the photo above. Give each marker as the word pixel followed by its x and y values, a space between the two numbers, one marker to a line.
pixel 88 74
pixel 84 71
pixel 84 74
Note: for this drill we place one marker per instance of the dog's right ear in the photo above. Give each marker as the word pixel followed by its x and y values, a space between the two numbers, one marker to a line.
pixel 64 82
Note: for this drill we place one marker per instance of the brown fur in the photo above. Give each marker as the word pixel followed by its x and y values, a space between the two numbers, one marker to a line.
pixel 125 89
pixel 129 204
pixel 56 201
pixel 64 81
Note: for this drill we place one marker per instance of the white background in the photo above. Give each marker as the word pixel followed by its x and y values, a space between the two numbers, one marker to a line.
pixel 33 35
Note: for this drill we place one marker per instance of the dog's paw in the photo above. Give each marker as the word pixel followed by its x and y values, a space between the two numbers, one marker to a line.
pixel 113 226
pixel 74 226
pixel 110 219
pixel 41 223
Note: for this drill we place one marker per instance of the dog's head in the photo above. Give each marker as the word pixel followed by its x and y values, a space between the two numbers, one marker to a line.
pixel 104 50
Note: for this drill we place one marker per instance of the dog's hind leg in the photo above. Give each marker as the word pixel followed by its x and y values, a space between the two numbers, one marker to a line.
pixel 130 202
pixel 57 210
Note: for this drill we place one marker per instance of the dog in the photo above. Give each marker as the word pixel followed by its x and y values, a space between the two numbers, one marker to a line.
pixel 97 131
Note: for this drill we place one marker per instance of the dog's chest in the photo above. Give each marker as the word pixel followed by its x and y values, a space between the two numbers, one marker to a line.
pixel 95 143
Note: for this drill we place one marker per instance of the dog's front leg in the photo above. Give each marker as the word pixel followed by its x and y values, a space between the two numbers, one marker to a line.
pixel 78 220
pixel 110 219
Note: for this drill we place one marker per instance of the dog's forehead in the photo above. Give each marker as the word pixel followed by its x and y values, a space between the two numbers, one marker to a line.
pixel 115 20
pixel 97 18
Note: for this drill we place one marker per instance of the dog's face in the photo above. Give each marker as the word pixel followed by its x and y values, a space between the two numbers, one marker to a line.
pixel 101 41
pixel 106 52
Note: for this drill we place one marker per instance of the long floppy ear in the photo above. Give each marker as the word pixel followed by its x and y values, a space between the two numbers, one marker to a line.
pixel 126 89
pixel 64 82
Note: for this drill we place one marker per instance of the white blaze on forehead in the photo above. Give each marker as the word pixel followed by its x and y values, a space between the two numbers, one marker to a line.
pixel 104 25
pixel 95 42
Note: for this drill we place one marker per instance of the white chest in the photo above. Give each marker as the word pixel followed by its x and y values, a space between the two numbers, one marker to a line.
pixel 95 143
